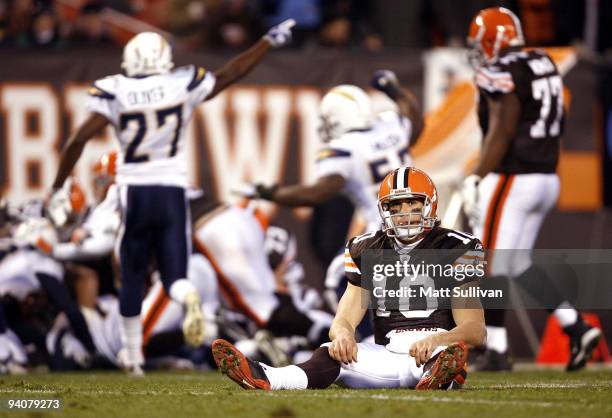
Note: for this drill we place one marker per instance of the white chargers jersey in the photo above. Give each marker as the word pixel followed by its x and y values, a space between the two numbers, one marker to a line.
pixel 364 158
pixel 18 272
pixel 150 115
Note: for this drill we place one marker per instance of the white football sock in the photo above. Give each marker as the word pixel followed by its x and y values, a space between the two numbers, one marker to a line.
pixel 566 315
pixel 180 289
pixel 131 338
pixel 497 339
pixel 289 377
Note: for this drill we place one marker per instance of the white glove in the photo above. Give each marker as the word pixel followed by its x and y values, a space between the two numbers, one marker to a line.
pixel 469 196
pixel 280 35
pixel 59 207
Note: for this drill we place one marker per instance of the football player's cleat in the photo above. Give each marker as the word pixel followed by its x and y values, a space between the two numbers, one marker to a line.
pixel 131 363
pixel 247 373
pixel 266 344
pixel 193 325
pixel 582 343
pixel 458 381
pixel 134 371
pixel 446 368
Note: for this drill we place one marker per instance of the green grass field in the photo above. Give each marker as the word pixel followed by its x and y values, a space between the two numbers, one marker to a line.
pixel 519 394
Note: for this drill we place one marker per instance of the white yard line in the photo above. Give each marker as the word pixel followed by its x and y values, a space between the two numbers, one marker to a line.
pixel 107 392
pixel 416 398
pixel 564 385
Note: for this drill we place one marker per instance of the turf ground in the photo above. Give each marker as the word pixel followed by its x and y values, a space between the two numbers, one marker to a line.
pixel 520 394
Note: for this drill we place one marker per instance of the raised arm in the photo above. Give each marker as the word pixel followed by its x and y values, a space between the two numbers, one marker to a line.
pixel 387 82
pixel 240 66
pixel 71 153
pixel 324 189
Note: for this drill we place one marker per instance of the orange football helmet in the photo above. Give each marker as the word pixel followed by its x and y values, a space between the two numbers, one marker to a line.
pixel 78 201
pixel 492 30
pixel 406 183
pixel 104 174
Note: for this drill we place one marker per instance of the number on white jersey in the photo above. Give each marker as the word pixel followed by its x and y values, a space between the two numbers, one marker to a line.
pixel 140 119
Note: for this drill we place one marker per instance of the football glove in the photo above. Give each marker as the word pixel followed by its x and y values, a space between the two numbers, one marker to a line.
pixel 385 81
pixel 257 191
pixel 469 196
pixel 280 35
pixel 265 192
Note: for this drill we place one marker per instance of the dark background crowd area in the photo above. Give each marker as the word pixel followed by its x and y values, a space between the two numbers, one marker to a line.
pixel 366 25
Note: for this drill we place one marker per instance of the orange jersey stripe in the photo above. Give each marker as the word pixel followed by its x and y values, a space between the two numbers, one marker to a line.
pixel 491 210
pixel 500 209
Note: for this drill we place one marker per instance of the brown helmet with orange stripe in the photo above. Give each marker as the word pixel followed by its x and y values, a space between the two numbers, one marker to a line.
pixel 407 202
pixel 492 30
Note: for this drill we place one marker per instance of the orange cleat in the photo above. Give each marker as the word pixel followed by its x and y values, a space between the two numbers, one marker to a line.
pixel 247 373
pixel 449 364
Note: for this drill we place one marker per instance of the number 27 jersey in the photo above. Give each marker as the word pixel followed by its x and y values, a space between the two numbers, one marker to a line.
pixel 150 116
pixel 533 77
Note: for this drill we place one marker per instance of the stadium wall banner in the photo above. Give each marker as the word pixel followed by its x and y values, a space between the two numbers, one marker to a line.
pixel 261 130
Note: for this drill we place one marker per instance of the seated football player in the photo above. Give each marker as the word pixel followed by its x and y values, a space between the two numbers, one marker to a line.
pixel 423 346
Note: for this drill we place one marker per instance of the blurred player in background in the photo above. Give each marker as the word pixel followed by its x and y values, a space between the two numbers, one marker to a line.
pixel 27 268
pixel 162 317
pixel 360 149
pixel 234 242
pixel 514 184
pixel 149 106
pixel 90 247
pixel 417 345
